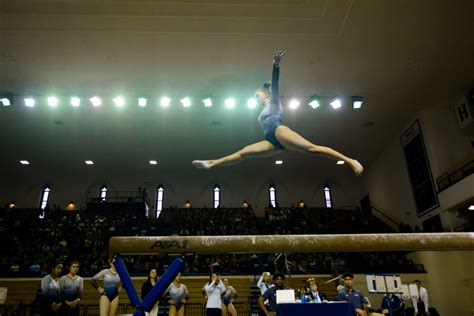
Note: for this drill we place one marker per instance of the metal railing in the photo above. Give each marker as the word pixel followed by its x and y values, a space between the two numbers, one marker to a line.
pixel 450 178
pixel 192 309
pixel 387 219
pixel 117 196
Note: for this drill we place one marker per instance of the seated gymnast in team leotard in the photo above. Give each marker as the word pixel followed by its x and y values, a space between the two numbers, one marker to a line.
pixel 277 136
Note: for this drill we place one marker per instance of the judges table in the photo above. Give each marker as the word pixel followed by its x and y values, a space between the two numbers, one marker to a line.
pixel 316 309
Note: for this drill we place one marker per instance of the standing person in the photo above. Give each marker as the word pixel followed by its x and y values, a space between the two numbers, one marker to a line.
pixel 179 295
pixel 228 298
pixel 51 301
pixel 109 292
pixel 392 305
pixel 214 289
pixel 421 304
pixel 146 288
pixel 316 295
pixel 71 288
pixel 270 295
pixel 264 284
pixel 352 296
pixel 277 136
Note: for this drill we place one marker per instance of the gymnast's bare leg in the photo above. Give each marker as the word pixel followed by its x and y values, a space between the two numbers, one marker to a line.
pixel 292 140
pixel 260 149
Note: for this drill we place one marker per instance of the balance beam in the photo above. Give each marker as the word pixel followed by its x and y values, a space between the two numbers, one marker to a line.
pixel 291 243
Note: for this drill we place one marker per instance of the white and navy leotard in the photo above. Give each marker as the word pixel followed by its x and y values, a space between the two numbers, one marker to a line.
pixel 111 283
pixel 71 289
pixel 50 289
pixel 177 293
pixel 228 295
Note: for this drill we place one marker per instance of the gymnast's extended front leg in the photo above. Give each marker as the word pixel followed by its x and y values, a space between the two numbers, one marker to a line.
pixel 260 149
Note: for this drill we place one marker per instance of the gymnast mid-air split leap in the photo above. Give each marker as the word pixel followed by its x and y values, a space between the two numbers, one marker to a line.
pixel 277 136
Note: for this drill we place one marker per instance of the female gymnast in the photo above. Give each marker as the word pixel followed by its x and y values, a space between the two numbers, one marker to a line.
pixel 71 289
pixel 109 293
pixel 228 298
pixel 277 136
pixel 179 295
pixel 51 301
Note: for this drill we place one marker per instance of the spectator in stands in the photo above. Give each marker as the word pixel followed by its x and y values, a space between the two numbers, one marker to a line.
pixel 56 238
pixel 228 298
pixel 71 288
pixel 270 295
pixel 179 295
pixel 35 267
pixel 316 295
pixel 51 301
pixel 109 292
pixel 421 304
pixel 352 296
pixel 14 268
pixel 146 288
pixel 214 290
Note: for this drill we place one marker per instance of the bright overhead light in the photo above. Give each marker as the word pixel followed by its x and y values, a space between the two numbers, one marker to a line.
pixel 357 102
pixel 252 103
pixel 207 102
pixel 294 104
pixel 279 162
pixel 75 101
pixel 6 102
pixel 7 99
pixel 336 103
pixel 89 162
pixel 52 101
pixel 119 102
pixel 186 102
pixel 30 102
pixel 24 162
pixel 471 208
pixel 153 162
pixel 142 102
pixel 340 162
pixel 314 103
pixel 96 101
pixel 165 102
pixel 229 103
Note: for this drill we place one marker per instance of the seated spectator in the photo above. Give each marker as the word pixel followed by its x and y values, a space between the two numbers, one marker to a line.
pixel 314 293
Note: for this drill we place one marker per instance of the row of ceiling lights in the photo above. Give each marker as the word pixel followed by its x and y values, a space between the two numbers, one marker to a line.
pixel 314 102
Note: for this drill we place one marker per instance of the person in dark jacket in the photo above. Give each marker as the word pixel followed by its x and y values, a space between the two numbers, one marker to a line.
pixel 146 288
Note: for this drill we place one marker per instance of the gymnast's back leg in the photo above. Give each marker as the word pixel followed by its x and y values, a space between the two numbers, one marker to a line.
pixel 292 140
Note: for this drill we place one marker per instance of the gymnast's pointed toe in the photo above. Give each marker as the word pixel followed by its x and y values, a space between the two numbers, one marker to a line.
pixel 201 164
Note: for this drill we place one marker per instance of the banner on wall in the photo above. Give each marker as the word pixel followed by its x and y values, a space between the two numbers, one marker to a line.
pixel 419 172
